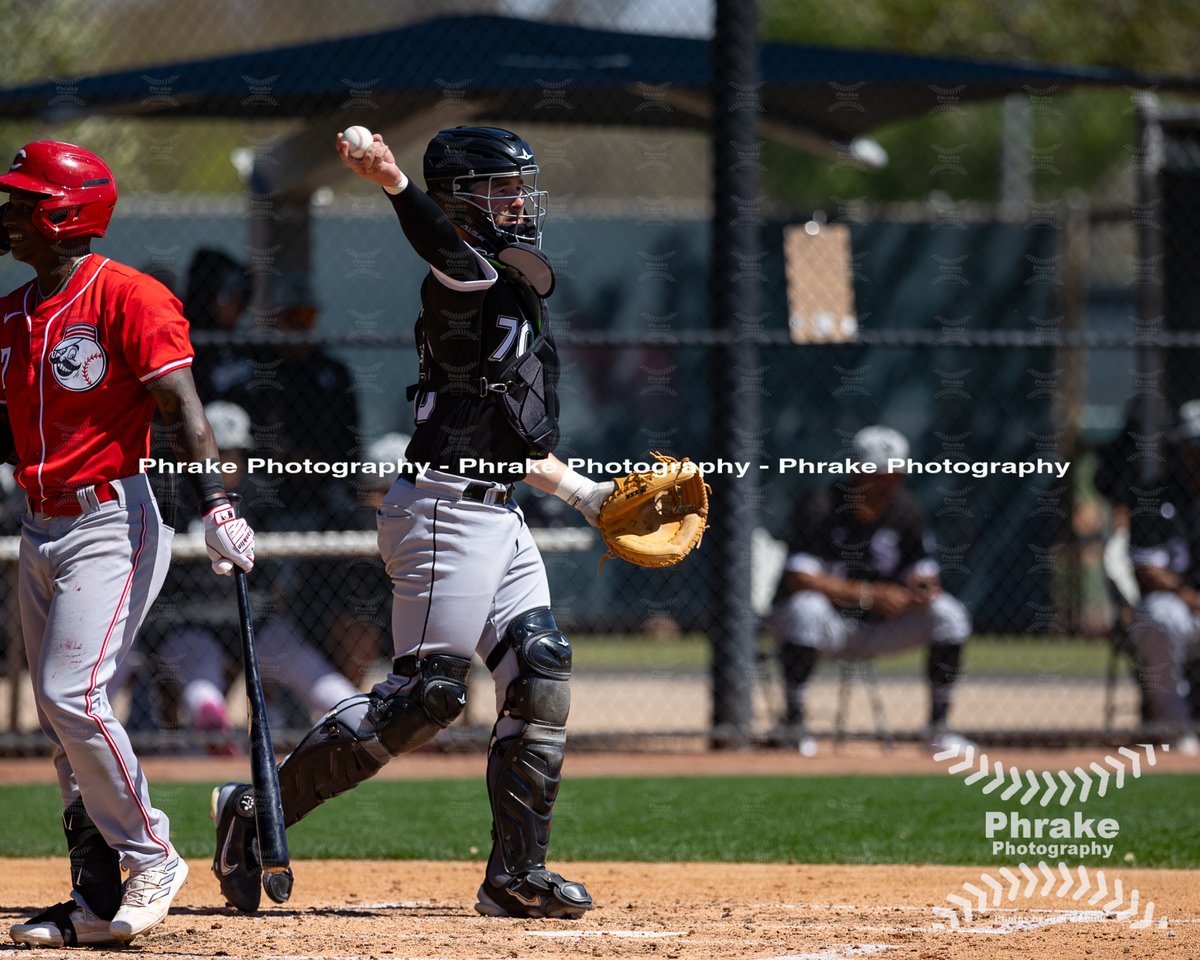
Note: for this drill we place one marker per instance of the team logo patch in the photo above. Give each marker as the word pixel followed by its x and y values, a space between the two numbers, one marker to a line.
pixel 78 360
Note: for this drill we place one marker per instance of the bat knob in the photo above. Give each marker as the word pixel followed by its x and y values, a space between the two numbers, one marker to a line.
pixel 278 885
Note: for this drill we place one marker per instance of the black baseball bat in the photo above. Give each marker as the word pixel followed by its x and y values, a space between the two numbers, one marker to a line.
pixel 268 805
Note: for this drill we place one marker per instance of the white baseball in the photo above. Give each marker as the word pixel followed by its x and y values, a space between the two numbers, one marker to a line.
pixel 359 139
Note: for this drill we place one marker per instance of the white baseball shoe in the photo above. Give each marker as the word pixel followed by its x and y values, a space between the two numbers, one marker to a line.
pixel 67 924
pixel 1187 745
pixel 795 737
pixel 942 741
pixel 146 897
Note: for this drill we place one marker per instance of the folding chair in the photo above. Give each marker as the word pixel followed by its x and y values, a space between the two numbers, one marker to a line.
pixel 848 670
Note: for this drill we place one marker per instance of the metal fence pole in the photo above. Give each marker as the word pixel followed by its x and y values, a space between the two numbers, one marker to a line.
pixel 1016 148
pixel 736 278
pixel 1152 403
pixel 1069 403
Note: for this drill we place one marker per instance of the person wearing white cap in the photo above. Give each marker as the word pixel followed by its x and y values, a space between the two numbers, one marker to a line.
pixel 1164 547
pixel 384 454
pixel 193 657
pixel 360 608
pixel 861 580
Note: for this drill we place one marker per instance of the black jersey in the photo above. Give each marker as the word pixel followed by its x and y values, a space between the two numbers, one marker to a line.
pixel 828 538
pixel 1164 531
pixel 476 318
pixel 465 338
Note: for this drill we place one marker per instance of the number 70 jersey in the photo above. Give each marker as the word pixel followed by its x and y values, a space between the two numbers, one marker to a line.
pixel 471 337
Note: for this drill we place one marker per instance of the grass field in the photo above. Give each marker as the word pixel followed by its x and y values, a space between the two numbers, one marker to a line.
pixel 861 819
pixel 985 656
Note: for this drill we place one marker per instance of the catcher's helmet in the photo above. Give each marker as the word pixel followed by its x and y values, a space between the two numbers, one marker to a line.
pixel 79 189
pixel 459 159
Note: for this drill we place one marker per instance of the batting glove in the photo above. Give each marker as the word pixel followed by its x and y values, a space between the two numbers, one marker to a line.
pixel 228 539
pixel 588 502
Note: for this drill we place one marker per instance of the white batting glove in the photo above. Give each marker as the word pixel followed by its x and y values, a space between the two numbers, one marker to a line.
pixel 228 539
pixel 588 501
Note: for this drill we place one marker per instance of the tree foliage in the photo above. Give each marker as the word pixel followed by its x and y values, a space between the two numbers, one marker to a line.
pixel 1147 35
pixel 1081 139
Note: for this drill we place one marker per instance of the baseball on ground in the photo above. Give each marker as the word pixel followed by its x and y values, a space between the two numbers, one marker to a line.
pixel 359 139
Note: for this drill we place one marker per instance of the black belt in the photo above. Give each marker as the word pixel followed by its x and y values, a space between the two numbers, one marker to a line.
pixel 479 492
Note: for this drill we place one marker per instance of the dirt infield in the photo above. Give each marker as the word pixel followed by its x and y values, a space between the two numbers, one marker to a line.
pixel 686 911
pixel 395 910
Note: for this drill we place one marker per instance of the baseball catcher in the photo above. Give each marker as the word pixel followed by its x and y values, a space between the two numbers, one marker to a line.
pixel 466 574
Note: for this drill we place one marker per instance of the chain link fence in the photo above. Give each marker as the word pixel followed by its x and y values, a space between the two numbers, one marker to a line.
pixel 1003 333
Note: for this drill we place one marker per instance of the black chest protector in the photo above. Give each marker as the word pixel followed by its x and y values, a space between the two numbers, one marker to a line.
pixel 524 381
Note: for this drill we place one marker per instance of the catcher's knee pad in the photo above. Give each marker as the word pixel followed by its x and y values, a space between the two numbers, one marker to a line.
pixel 540 693
pixel 358 736
pixel 409 720
pixel 95 866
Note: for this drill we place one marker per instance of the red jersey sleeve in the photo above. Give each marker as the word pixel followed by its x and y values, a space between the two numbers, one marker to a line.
pixel 12 315
pixel 153 331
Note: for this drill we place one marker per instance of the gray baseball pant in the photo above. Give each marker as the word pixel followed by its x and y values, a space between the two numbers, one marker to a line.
pixel 807 623
pixel 1165 634
pixel 810 619
pixel 85 586
pixel 461 571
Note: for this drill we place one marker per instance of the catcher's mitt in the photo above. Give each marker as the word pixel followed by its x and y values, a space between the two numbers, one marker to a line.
pixel 656 518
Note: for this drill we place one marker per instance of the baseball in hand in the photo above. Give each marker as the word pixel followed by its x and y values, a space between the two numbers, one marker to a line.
pixel 359 139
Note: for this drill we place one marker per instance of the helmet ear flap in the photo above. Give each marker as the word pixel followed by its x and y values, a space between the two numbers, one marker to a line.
pixel 55 222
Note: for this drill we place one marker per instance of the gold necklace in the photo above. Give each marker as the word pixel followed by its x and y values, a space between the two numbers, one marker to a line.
pixel 65 280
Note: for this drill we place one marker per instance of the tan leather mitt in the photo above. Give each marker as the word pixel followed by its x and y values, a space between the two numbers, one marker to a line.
pixel 656 518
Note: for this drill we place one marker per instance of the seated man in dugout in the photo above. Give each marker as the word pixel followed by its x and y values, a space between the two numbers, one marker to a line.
pixel 861 580
pixel 193 639
pixel 1164 547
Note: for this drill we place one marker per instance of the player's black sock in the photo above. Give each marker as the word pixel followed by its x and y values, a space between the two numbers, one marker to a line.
pixel 1142 678
pixel 95 866
pixel 798 663
pixel 1191 673
pixel 942 669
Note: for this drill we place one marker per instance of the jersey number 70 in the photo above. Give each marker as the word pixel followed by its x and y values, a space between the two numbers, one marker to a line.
pixel 515 331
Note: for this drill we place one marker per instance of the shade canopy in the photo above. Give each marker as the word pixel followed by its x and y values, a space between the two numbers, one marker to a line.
pixel 503 69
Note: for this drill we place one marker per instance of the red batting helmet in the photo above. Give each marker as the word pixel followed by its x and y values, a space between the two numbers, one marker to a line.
pixel 79 189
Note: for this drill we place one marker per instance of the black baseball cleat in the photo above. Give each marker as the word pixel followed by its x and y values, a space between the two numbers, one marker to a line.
pixel 236 862
pixel 537 894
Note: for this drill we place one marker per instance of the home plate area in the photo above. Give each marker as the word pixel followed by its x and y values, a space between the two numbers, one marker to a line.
pixel 689 911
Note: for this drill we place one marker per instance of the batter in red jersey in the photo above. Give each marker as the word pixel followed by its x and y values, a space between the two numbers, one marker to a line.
pixel 89 350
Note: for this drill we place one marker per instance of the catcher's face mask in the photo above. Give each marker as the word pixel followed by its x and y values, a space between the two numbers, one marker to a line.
pixel 511 203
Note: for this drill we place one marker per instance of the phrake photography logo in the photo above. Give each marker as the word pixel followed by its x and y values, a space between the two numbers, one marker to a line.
pixel 1061 836
pixel 1013 835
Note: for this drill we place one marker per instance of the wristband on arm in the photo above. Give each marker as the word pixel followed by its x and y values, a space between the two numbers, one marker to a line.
pixel 572 487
